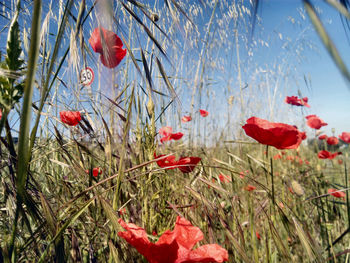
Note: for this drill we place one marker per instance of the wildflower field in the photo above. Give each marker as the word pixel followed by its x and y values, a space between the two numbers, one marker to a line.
pixel 159 131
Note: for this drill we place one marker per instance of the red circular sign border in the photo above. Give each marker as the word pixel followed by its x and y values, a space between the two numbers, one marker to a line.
pixel 93 76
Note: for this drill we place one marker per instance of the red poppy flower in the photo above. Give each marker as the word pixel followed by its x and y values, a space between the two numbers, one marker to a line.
pixel 71 118
pixel 332 140
pixel 95 171
pixel 176 136
pixel 249 188
pixel 290 158
pixel 322 137
pixel 345 137
pixel 167 134
pixel 277 156
pixel 258 235
pixel 327 155
pixel 204 113
pixel 121 211
pixel 315 122
pixel 167 162
pixel 173 136
pixel 110 48
pixel 173 246
pixel 279 135
pixel 294 100
pixel 187 164
pixel 243 174
pixel 224 178
pixel 336 193
pixel 186 118
pixel 165 131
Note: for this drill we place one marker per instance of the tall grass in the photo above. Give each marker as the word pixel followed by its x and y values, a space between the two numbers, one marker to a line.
pixel 180 58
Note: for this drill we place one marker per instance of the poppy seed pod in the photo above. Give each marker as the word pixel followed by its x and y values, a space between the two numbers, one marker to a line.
pixel 154 17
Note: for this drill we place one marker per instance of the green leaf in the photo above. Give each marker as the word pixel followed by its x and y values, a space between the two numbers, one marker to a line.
pixel 14 49
pixel 48 214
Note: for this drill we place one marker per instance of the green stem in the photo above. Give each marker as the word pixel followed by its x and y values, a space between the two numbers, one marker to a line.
pixel 122 154
pixel 23 145
pixel 13 235
pixel 46 88
pixel 347 192
pixel 272 183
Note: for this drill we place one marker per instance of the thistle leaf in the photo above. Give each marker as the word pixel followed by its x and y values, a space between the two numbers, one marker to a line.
pixel 13 48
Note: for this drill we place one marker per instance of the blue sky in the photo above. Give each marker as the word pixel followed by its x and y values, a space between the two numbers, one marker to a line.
pixel 329 95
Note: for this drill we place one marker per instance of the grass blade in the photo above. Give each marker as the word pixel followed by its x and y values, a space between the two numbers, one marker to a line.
pixel 71 220
pixel 327 41
pixel 23 147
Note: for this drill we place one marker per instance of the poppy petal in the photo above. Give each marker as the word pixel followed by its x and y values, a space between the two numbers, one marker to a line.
pixel 167 162
pixel 315 122
pixel 186 234
pixel 176 136
pixel 332 140
pixel 136 236
pixel 327 155
pixel 187 164
pixel 113 57
pixel 279 135
pixel 110 39
pixel 335 193
pixel 110 47
pixel 294 100
pixel 165 131
pixel 186 118
pixel 165 139
pixel 71 118
pixel 345 137
pixel 173 246
pixel 204 113
pixel 323 137
pixel 208 253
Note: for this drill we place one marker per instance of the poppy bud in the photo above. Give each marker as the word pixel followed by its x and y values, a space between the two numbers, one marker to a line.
pixel 155 17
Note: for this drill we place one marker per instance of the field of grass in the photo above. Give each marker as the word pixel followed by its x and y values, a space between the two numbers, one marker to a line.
pixel 68 180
